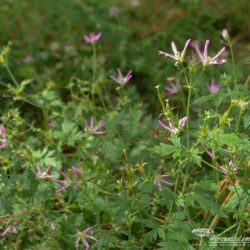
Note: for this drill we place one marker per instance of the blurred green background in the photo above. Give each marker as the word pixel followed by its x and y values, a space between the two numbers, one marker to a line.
pixel 47 36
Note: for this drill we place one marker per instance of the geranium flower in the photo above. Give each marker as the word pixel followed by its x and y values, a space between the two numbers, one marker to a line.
pixel 10 228
pixel 174 87
pixel 3 138
pixel 177 55
pixel 65 183
pixel 94 129
pixel 42 175
pixel 214 87
pixel 171 127
pixel 205 59
pixel 75 170
pixel 92 37
pixel 160 179
pixel 120 78
pixel 83 236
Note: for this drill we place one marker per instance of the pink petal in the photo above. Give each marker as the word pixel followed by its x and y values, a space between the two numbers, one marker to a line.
pixel 77 242
pixel 5 231
pixel 174 49
pixel 61 189
pixel 91 237
pixel 162 125
pixel 218 54
pixel 210 153
pixel 168 55
pixel 182 121
pixel 205 50
pixel 14 230
pixel 86 124
pixel 119 73
pixel 198 52
pixel 128 76
pixel 114 79
pixel 64 175
pixel 167 183
pixel 88 229
pixel 86 244
pixel 47 169
pixel 185 47
pixel 59 181
pixel 165 175
pixel 91 123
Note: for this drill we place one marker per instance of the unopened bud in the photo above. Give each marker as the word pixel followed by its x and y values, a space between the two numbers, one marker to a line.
pixel 225 35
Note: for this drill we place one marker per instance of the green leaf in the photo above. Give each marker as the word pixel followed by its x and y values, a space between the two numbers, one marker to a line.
pixel 163 149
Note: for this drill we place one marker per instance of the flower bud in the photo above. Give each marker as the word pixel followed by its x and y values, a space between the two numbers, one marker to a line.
pixel 225 35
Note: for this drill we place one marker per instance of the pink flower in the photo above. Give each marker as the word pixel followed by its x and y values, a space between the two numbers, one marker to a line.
pixel 94 130
pixel 228 169
pixel 173 87
pixel 82 236
pixel 28 59
pixel 120 78
pixel 9 229
pixel 171 127
pixel 3 139
pixel 75 170
pixel 210 153
pixel 214 87
pixel 65 183
pixel 205 59
pixel 177 55
pixel 42 175
pixel 92 37
pixel 159 180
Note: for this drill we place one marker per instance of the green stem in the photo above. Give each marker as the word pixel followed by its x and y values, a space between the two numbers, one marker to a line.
pixel 185 182
pixel 236 234
pixel 228 229
pixel 238 122
pixel 175 189
pixel 183 100
pixel 188 114
pixel 247 81
pixel 212 166
pixel 94 62
pixel 160 98
pixel 233 64
pixel 11 75
pixel 93 73
pixel 103 103
pixel 189 84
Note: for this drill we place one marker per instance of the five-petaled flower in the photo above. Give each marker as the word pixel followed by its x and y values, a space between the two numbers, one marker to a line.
pixel 177 56
pixel 42 175
pixel 3 139
pixel 214 87
pixel 83 236
pixel 65 183
pixel 92 37
pixel 205 59
pixel 94 129
pixel 174 87
pixel 172 128
pixel 122 80
pixel 160 179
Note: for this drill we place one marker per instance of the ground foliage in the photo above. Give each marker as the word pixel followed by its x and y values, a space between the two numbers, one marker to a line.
pixel 126 161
